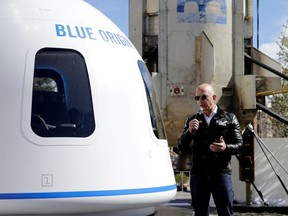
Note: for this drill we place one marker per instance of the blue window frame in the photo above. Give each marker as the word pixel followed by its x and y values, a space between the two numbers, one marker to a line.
pixel 154 108
pixel 61 100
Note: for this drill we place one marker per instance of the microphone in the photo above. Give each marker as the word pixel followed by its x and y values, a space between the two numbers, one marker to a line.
pixel 197 116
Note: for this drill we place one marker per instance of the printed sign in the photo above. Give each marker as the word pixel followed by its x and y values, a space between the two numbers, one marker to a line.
pixel 202 11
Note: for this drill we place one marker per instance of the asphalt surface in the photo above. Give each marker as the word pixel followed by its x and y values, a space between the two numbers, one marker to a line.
pixel 181 206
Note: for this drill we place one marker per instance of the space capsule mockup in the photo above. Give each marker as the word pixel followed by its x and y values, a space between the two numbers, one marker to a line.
pixel 81 127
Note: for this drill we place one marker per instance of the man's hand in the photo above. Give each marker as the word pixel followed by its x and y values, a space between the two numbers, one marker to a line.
pixel 194 125
pixel 218 146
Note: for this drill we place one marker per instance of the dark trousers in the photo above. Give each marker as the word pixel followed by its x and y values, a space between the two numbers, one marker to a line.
pixel 221 188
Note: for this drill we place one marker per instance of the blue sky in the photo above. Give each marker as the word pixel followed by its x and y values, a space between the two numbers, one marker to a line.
pixel 116 10
pixel 273 14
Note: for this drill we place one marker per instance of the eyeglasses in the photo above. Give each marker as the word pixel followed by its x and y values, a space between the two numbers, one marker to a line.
pixel 202 97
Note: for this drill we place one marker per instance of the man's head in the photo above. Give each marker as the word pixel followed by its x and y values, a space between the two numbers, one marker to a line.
pixel 206 98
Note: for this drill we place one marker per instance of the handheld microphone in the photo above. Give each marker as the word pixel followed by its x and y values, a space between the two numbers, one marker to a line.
pixel 197 116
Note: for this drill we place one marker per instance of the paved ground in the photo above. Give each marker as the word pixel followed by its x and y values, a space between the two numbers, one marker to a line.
pixel 180 206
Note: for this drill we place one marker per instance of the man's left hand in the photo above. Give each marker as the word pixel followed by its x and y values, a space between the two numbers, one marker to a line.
pixel 218 146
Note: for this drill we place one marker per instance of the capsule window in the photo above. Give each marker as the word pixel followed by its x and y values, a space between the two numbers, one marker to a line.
pixel 61 98
pixel 154 108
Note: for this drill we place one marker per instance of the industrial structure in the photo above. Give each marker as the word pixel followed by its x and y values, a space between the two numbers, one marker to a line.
pixel 188 42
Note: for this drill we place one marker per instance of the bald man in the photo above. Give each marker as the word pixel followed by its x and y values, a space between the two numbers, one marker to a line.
pixel 213 136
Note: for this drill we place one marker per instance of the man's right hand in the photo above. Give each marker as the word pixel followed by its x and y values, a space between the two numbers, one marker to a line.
pixel 194 125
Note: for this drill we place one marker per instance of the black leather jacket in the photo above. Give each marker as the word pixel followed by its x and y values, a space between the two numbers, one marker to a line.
pixel 204 160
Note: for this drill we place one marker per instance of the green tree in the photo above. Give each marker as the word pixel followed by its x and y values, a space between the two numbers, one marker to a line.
pixel 279 101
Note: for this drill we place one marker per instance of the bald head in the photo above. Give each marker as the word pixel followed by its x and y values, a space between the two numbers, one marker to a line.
pixel 205 88
pixel 206 98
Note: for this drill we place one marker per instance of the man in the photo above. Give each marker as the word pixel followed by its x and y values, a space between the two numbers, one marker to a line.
pixel 213 135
